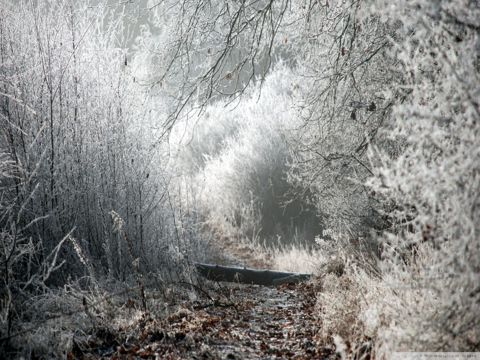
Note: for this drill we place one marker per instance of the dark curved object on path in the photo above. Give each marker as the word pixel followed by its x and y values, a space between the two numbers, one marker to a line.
pixel 249 276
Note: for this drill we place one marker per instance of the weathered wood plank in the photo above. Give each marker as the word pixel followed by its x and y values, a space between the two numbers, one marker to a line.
pixel 248 276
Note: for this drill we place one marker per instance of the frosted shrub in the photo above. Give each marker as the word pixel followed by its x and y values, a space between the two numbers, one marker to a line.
pixel 83 131
pixel 432 189
pixel 340 306
pixel 79 141
pixel 345 69
pixel 239 155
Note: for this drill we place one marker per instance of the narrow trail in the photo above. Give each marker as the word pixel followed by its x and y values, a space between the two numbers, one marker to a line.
pixel 262 323
pixel 258 323
pixel 237 322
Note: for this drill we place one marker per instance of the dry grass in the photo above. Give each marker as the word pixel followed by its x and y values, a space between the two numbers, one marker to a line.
pixel 70 317
pixel 295 259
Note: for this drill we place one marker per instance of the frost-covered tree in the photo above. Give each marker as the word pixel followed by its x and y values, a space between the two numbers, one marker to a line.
pixel 212 49
pixel 345 67
pixel 430 191
pixel 215 50
pixel 82 180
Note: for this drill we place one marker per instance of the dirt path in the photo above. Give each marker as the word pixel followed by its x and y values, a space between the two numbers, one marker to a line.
pixel 264 323
pixel 253 322
pixel 243 322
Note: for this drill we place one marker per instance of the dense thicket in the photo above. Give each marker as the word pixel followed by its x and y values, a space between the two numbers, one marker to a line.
pixel 83 182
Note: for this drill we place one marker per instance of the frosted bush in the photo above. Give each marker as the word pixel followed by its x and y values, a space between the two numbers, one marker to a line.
pixel 345 68
pixel 431 190
pixel 238 156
